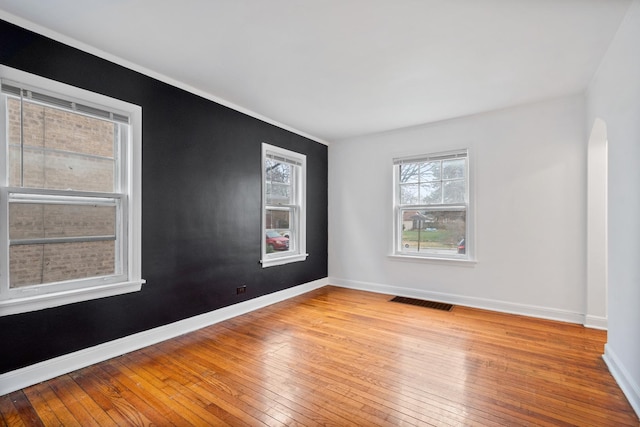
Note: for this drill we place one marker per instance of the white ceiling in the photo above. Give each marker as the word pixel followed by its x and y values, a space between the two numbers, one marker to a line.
pixel 333 69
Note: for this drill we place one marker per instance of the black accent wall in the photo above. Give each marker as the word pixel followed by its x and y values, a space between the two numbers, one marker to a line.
pixel 201 184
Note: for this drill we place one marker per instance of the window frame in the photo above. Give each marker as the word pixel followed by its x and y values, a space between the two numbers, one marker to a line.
pixel 297 208
pixel 128 196
pixel 397 251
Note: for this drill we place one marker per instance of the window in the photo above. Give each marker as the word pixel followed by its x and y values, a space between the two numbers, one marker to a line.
pixel 69 194
pixel 283 206
pixel 432 206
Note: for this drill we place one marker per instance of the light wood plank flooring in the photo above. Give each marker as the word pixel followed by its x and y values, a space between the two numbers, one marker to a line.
pixel 344 358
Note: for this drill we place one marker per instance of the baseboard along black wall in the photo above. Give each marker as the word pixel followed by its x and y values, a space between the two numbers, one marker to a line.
pixel 201 185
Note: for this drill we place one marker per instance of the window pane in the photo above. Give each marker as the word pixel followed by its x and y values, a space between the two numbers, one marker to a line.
pixel 278 177
pixel 38 221
pixel 454 191
pixel 278 230
pixel 409 194
pixel 431 193
pixel 410 172
pixel 15 159
pixel 60 149
pixel 47 263
pixel 278 193
pixel 452 169
pixel 278 171
pixel 434 232
pixel 14 125
pixel 14 136
pixel 279 220
pixel 430 171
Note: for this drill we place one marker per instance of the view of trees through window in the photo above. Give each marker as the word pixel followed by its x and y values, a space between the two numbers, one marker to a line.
pixel 433 182
pixel 432 198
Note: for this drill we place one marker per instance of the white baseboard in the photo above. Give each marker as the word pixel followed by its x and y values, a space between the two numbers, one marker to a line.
pixel 483 303
pixel 33 374
pixel 596 322
pixel 629 387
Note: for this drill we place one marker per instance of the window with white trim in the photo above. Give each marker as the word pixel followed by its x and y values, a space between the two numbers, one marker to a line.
pixel 431 204
pixel 283 206
pixel 69 194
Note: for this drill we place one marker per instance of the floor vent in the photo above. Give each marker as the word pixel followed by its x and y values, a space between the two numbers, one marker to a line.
pixel 423 303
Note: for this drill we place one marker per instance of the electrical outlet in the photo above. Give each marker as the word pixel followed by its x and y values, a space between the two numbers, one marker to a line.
pixel 241 289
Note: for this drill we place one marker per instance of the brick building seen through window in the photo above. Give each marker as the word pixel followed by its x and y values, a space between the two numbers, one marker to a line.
pixel 55 149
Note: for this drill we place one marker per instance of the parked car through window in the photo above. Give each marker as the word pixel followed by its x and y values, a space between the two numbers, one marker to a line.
pixel 276 242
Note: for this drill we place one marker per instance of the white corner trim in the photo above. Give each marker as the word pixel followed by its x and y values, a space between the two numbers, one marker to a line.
pixel 33 374
pixel 629 387
pixel 596 322
pixel 483 303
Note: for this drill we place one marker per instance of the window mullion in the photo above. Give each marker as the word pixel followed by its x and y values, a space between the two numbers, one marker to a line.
pixel 53 240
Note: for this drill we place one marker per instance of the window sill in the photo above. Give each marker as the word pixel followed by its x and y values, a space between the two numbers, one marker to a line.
pixel 283 260
pixel 463 262
pixel 55 299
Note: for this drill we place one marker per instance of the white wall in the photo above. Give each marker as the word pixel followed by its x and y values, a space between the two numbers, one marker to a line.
pixel 614 97
pixel 596 308
pixel 530 191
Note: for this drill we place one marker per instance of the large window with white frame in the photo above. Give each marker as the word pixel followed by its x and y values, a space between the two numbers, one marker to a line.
pixel 431 205
pixel 283 206
pixel 69 194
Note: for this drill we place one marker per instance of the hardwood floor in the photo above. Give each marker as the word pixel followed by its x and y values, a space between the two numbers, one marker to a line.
pixel 344 358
